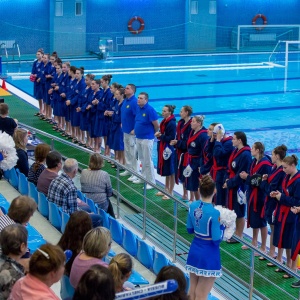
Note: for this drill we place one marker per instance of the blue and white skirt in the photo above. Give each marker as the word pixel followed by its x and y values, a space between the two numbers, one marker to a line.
pixel 204 258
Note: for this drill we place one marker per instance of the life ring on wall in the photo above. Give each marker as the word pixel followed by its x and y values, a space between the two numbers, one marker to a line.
pixel 140 29
pixel 260 16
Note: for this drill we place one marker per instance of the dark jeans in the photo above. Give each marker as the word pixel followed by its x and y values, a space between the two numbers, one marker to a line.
pixel 96 219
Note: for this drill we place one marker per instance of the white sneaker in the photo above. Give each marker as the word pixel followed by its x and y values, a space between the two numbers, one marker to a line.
pixel 132 178
pixel 137 181
pixel 149 187
pixel 125 173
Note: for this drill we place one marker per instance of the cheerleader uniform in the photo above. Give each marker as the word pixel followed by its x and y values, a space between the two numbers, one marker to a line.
pixel 256 194
pixel 48 70
pixel 36 68
pixel 79 90
pixel 204 254
pixel 285 220
pixel 56 99
pixel 117 137
pixel 193 158
pixel 221 153
pixel 166 167
pixel 239 161
pixel 70 94
pixel 63 88
pixel 93 113
pixel 273 183
pixel 83 103
pixel 101 126
pixel 40 85
pixel 182 134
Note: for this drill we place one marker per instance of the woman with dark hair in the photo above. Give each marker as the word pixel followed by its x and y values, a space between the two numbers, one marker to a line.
pixel 46 267
pixel 172 272
pixel 204 261
pixel 77 227
pixel 183 130
pixel 95 284
pixel 37 86
pixel 21 138
pixel 256 194
pixel 166 154
pixel 40 153
pixel 285 235
pixel 239 161
pixel 273 182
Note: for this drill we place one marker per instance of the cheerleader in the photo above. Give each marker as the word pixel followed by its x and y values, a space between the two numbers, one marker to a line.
pixel 285 235
pixel 117 142
pixel 166 152
pixel 70 93
pixel 193 158
pixel 239 161
pixel 83 102
pixel 204 262
pixel 272 182
pixel 260 165
pixel 36 68
pixel 296 244
pixel 222 149
pixel 182 133
pixel 73 103
pixel 92 108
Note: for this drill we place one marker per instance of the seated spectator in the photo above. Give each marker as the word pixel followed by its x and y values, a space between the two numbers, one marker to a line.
pixel 20 211
pixel 172 272
pixel 54 165
pixel 7 124
pixel 40 153
pixel 95 284
pixel 96 184
pixel 13 243
pixel 95 246
pixel 21 138
pixel 46 267
pixel 63 192
pixel 120 267
pixel 77 227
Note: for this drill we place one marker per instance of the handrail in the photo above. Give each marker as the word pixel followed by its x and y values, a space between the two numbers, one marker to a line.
pixel 172 229
pixel 5 49
pixel 16 46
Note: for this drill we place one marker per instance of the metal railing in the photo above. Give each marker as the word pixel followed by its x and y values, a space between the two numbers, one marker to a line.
pixel 157 222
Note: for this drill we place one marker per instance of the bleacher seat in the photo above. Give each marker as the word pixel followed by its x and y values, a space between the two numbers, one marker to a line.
pixel 187 278
pixel 6 174
pixel 129 241
pixel 34 242
pixel 92 206
pixel 105 218
pixel 13 178
pixel 64 220
pixel 32 192
pixel 54 215
pixel 116 230
pixel 145 253
pixel 32 231
pixel 136 278
pixel 23 184
pixel 43 205
pixel 81 196
pixel 66 289
pixel 159 261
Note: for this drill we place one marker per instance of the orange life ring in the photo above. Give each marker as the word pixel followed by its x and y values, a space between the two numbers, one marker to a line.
pixel 260 16
pixel 140 29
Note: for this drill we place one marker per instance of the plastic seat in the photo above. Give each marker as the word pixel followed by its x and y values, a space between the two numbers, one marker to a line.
pixel 137 278
pixel 187 278
pixel 145 253
pixel 81 196
pixel 105 218
pixel 34 242
pixel 129 241
pixel 159 261
pixel 32 231
pixel 54 215
pixel 6 174
pixel 115 230
pixel 23 185
pixel 91 204
pixel 64 220
pixel 43 205
pixel 32 192
pixel 13 178
pixel 66 289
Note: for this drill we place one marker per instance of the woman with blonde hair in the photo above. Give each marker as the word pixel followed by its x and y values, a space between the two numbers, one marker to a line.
pixel 46 267
pixel 21 138
pixel 95 246
pixel 120 267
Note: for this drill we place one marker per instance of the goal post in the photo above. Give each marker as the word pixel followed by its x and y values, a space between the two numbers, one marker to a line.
pixel 262 37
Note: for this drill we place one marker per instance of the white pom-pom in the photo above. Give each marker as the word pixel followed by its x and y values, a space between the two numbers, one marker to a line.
pixel 227 218
pixel 7 147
